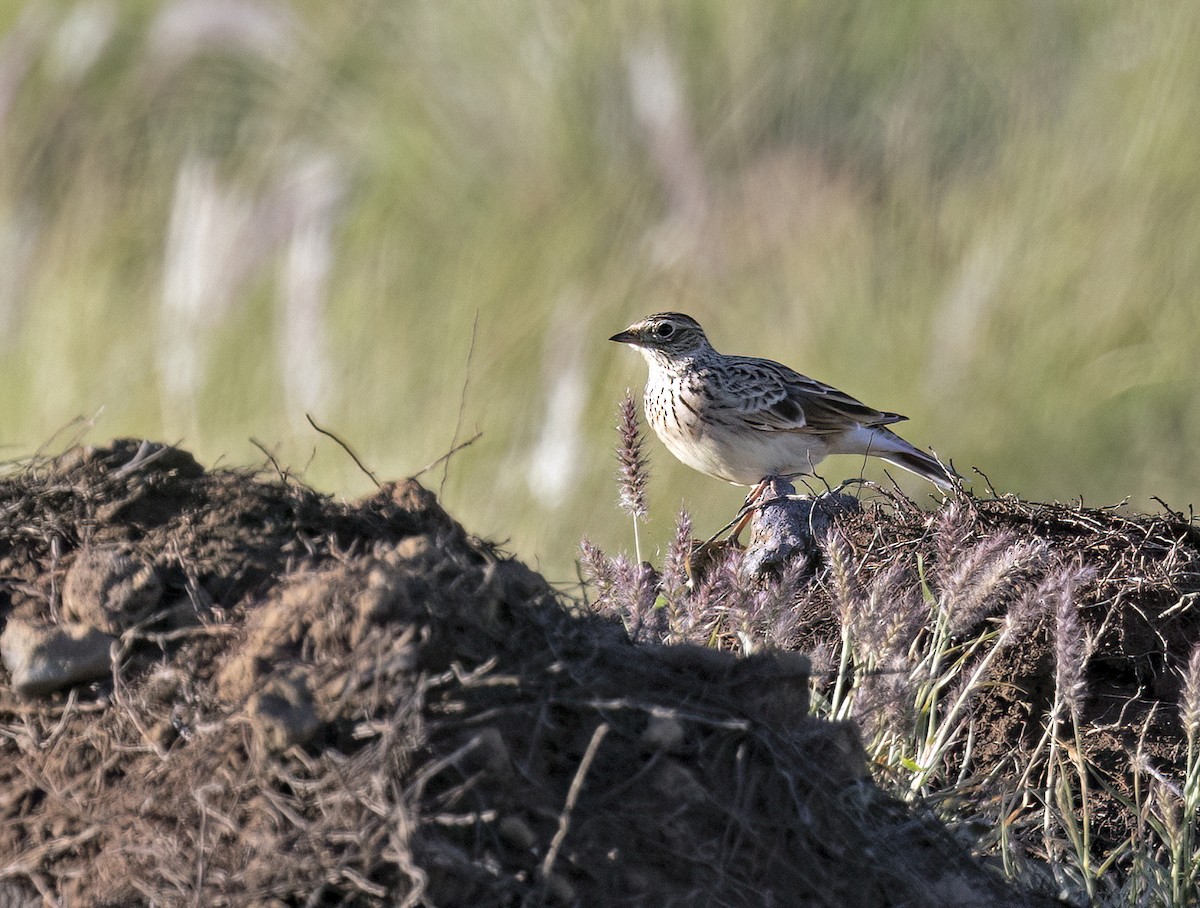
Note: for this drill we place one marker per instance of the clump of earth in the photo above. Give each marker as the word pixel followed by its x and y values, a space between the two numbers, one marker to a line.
pixel 223 688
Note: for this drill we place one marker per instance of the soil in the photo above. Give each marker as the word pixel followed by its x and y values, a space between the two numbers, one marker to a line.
pixel 335 703
pixel 1138 606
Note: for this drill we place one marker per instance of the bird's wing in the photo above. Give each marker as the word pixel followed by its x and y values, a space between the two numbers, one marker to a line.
pixel 770 397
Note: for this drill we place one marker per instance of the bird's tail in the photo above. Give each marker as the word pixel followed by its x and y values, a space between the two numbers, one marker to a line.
pixel 895 450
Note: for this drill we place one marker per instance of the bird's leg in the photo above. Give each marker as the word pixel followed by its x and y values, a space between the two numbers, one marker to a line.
pixel 747 510
pixel 754 502
pixel 721 532
pixel 757 491
pixel 742 517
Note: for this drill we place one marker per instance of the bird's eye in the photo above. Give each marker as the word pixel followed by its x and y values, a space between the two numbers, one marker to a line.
pixel 665 330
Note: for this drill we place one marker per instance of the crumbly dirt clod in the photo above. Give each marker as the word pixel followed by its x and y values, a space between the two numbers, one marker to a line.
pixel 107 589
pixel 360 704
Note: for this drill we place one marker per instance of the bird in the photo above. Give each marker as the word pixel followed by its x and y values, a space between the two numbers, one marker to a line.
pixel 746 420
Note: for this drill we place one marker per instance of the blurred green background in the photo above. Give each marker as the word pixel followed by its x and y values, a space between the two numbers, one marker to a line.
pixel 218 215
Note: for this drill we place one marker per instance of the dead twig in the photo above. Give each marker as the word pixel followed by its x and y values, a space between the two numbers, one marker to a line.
pixel 429 466
pixel 462 406
pixel 283 474
pixel 564 819
pixel 26 865
pixel 146 454
pixel 345 447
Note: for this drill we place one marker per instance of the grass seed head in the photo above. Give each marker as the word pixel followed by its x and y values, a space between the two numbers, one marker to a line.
pixel 1189 703
pixel 847 594
pixel 631 455
pixel 674 580
pixel 1071 651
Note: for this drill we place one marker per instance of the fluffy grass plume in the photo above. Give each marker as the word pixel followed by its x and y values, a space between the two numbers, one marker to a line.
pixel 1189 706
pixel 634 468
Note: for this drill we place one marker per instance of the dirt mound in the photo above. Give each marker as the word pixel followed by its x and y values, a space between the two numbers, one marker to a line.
pixel 308 702
pixel 1136 594
pixel 1021 663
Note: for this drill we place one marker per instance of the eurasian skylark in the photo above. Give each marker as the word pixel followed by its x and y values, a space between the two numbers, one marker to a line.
pixel 743 419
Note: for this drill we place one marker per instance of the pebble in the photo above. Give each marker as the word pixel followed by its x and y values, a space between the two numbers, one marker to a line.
pixel 43 658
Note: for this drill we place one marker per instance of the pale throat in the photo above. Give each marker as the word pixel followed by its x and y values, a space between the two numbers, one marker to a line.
pixel 664 367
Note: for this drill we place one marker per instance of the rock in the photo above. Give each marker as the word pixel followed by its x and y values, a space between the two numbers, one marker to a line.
pixel 785 525
pixel 110 590
pixel 664 733
pixel 489 755
pixel 420 547
pixel 677 784
pixel 282 713
pixel 163 734
pixel 559 891
pixel 516 832
pixel 43 658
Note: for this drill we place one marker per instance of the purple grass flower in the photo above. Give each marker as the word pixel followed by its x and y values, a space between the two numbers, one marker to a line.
pixel 634 465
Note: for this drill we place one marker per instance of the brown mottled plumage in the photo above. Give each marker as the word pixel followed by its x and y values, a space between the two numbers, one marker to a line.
pixel 741 418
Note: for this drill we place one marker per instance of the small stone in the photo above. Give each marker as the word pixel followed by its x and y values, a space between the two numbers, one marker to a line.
pixel 163 734
pixel 516 832
pixel 664 733
pixel 490 755
pixel 413 548
pixel 110 590
pixel 282 713
pixel 677 784
pixel 43 658
pixel 559 891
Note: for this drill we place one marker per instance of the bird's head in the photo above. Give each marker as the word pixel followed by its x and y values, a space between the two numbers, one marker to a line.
pixel 666 336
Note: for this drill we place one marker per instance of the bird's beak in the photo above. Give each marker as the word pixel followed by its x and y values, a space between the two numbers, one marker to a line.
pixel 627 337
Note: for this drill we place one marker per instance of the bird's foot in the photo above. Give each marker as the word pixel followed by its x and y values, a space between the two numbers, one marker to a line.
pixel 746 512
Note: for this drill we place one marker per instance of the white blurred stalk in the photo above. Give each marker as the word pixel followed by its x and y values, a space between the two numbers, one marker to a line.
pixel 314 191
pixel 554 461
